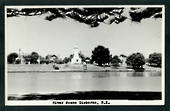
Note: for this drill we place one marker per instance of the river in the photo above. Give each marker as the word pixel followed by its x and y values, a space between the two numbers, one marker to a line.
pixel 66 82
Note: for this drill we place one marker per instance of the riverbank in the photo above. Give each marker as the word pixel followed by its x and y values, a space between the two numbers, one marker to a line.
pixel 89 95
pixel 73 68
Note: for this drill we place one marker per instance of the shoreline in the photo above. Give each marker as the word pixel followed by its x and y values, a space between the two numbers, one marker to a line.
pixel 104 70
pixel 74 68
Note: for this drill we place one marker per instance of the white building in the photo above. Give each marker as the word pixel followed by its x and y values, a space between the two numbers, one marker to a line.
pixel 76 58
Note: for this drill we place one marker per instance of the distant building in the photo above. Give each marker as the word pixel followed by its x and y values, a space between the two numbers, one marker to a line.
pixel 38 60
pixel 20 57
pixel 51 58
pixel 25 58
pixel 87 60
pixel 76 58
pixel 123 59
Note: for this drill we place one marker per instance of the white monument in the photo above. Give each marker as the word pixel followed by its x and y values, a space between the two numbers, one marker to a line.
pixel 76 58
pixel 20 56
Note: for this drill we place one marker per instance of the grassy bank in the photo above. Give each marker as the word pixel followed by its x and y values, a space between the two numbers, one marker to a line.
pixel 95 95
pixel 73 68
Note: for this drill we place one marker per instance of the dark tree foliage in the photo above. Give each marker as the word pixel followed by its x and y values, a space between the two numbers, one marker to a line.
pixel 122 55
pixel 27 58
pixel 66 60
pixel 18 61
pixel 115 61
pixel 71 56
pixel 136 60
pixel 47 58
pixel 90 16
pixel 155 59
pixel 138 14
pixel 60 61
pixel 83 58
pixel 11 58
pixel 55 67
pixel 34 58
pixel 101 55
pixel 54 58
pixel 42 60
pixel 51 58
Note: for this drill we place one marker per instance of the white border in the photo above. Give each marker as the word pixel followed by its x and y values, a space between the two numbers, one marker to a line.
pixel 112 102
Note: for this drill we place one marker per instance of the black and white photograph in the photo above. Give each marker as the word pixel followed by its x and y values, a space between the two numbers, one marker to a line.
pixel 85 55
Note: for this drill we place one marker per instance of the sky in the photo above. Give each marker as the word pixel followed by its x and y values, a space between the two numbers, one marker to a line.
pixel 60 36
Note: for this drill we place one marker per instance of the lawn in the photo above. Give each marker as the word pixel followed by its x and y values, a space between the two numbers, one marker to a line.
pixel 71 67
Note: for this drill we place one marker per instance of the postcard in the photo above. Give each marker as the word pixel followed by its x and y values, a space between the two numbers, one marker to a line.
pixel 85 55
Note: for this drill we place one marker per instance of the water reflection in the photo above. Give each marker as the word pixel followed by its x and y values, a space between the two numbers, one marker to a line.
pixel 125 74
pixel 21 83
pixel 135 74
pixel 144 74
pixel 101 75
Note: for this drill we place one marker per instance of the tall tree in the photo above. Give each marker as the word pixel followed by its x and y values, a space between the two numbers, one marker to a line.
pixel 136 60
pixel 11 58
pixel 34 58
pixel 101 55
pixel 155 59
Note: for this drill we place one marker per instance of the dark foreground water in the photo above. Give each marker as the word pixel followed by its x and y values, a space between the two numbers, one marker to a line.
pixel 68 82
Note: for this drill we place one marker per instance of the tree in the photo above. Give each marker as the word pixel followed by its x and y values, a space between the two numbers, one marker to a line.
pixel 27 58
pixel 71 57
pixel 91 16
pixel 155 59
pixel 136 60
pixel 54 58
pixel 101 55
pixel 115 61
pixel 18 61
pixel 66 60
pixel 42 60
pixel 34 58
pixel 51 58
pixel 82 57
pixel 60 61
pixel 122 55
pixel 47 58
pixel 11 58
